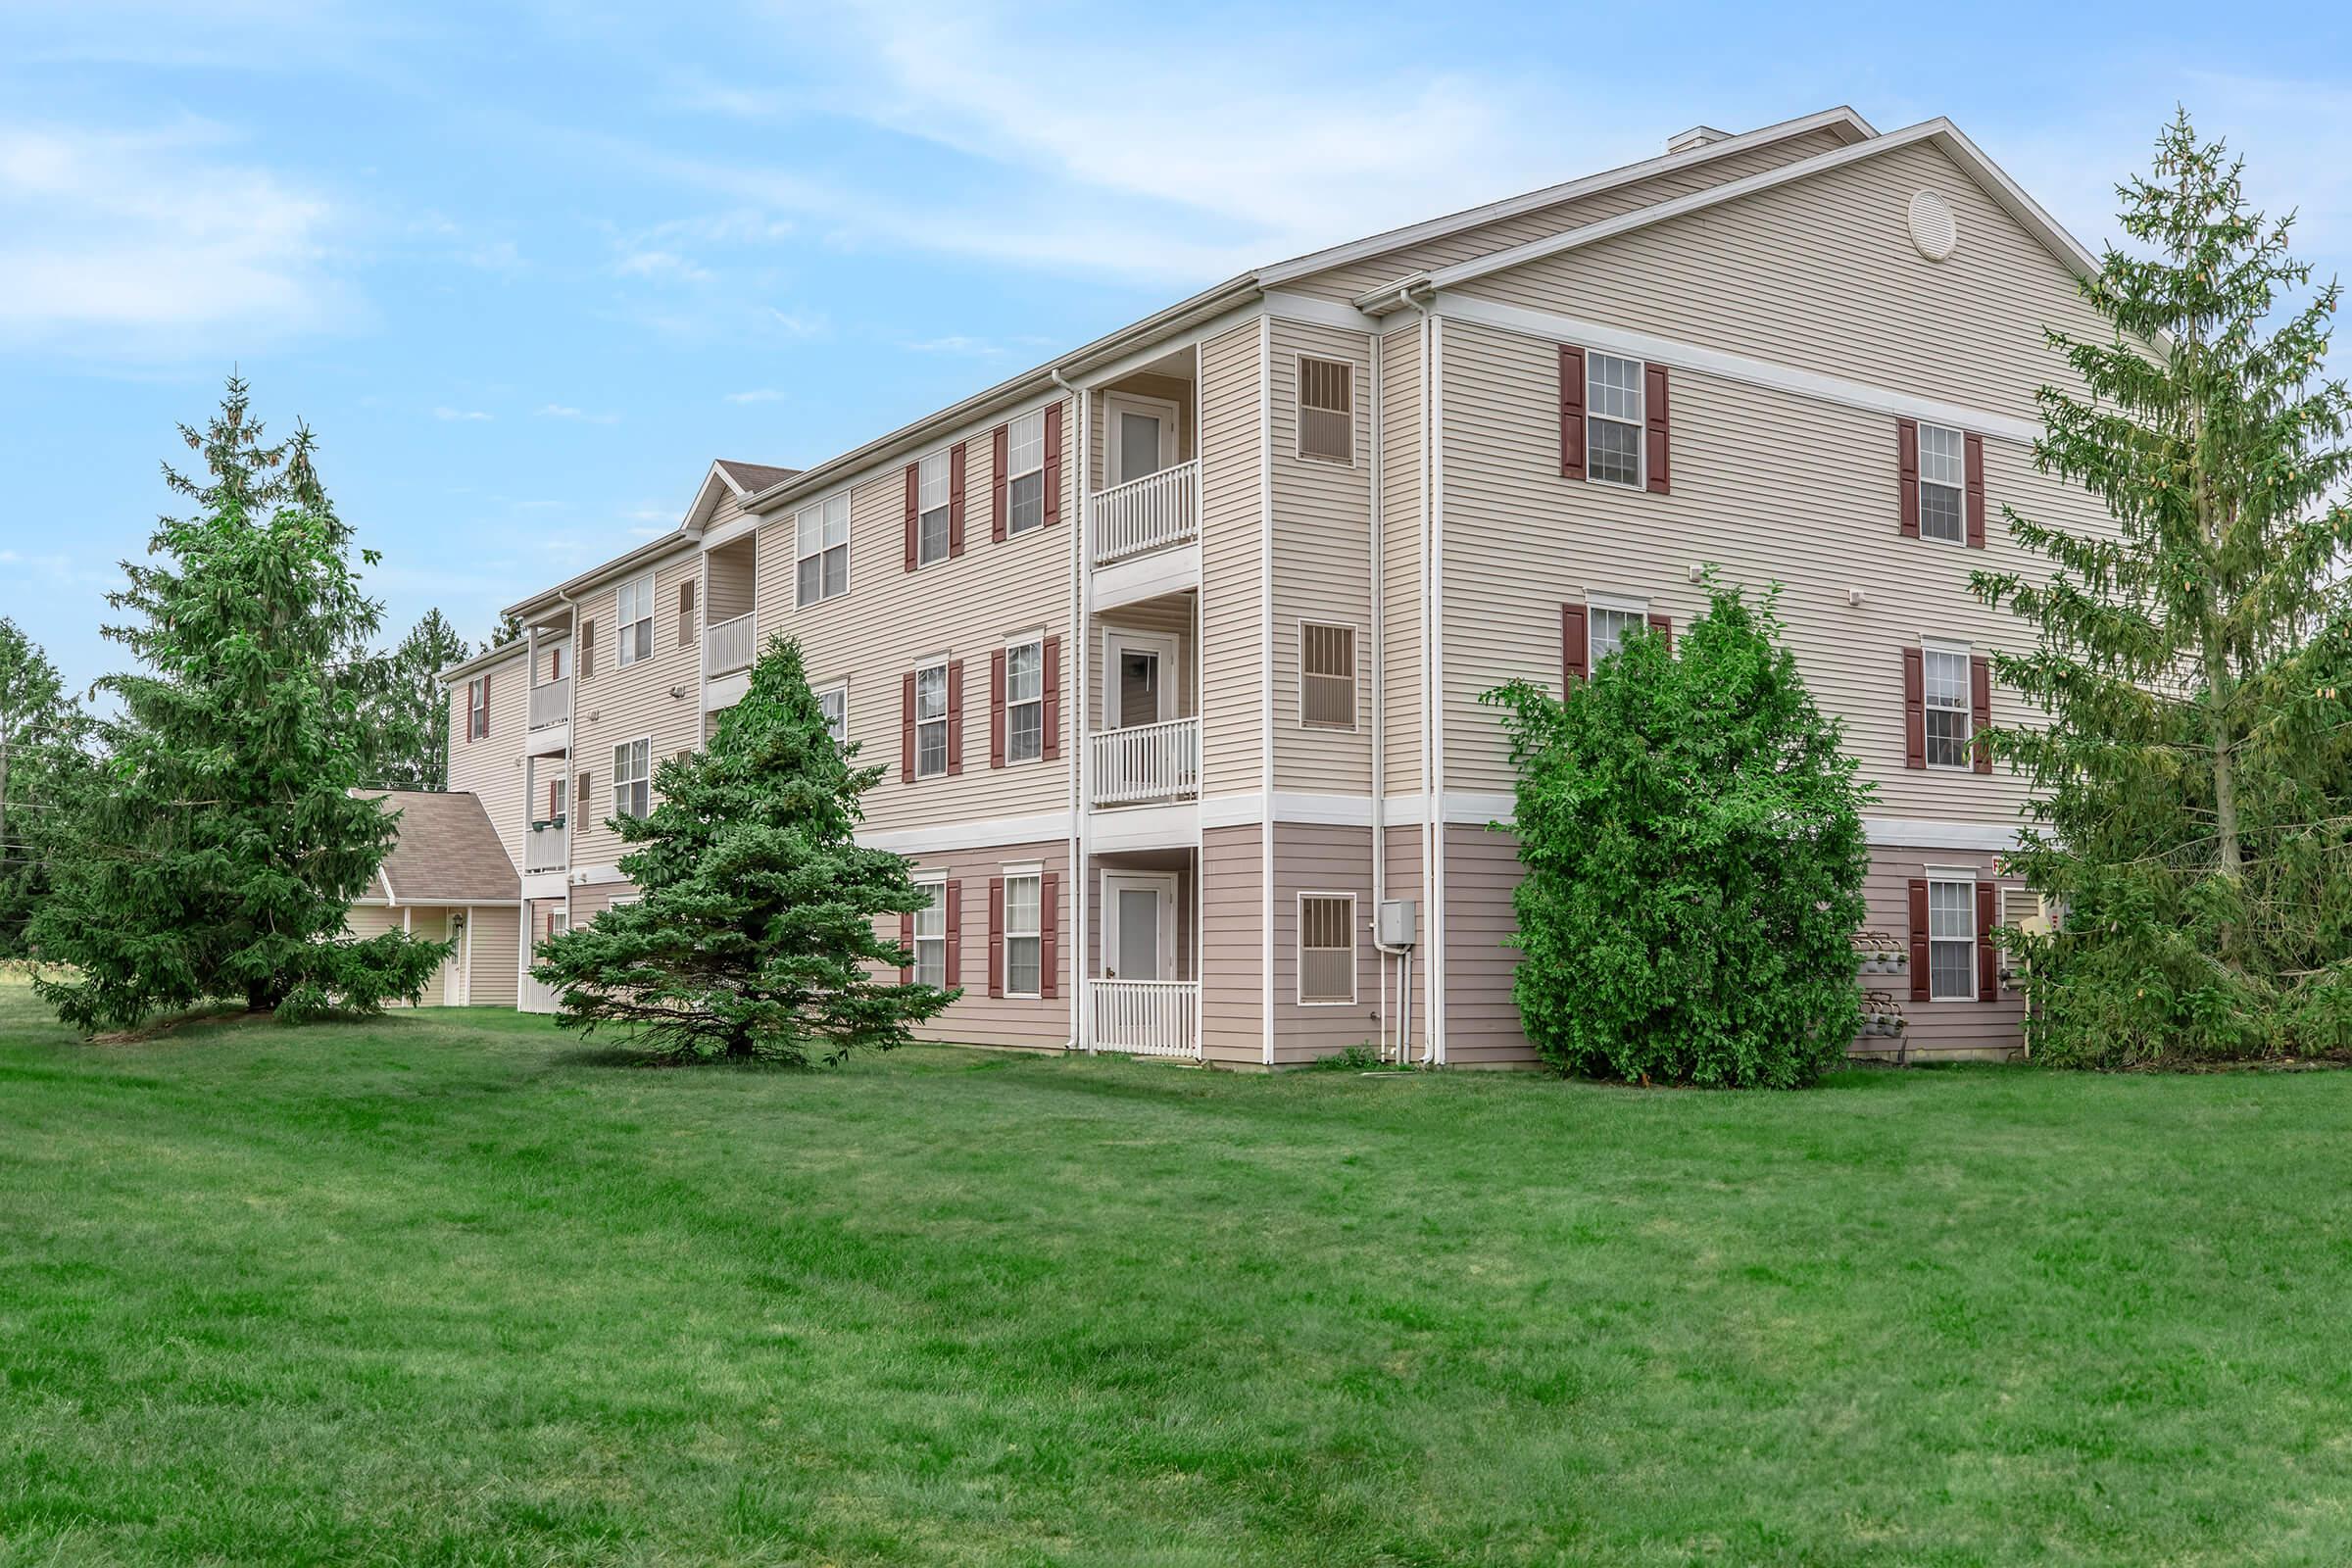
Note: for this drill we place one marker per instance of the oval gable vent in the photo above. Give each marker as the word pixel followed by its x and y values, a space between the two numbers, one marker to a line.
pixel 1935 229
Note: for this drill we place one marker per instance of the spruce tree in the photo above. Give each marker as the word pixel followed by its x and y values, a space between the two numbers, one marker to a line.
pixel 509 629
pixel 406 713
pixel 41 732
pixel 215 854
pixel 754 935
pixel 2192 802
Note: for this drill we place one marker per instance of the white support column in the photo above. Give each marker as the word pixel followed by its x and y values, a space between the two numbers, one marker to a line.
pixel 1265 674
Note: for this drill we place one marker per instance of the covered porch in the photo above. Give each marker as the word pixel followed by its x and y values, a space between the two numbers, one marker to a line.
pixel 1142 986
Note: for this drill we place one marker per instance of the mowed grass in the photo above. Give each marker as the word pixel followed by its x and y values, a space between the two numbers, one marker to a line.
pixel 449 1289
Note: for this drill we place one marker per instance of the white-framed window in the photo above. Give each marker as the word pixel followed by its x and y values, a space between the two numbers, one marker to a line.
pixel 1024 702
pixel 1942 484
pixel 1026 473
pixel 1944 683
pixel 834 702
pixel 1607 622
pixel 931 721
pixel 824 549
pixel 931 509
pixel 1024 947
pixel 633 777
pixel 1326 410
pixel 633 613
pixel 1951 936
pixel 622 901
pixel 1326 675
pixel 1326 949
pixel 931 933
pixel 477 709
pixel 1613 419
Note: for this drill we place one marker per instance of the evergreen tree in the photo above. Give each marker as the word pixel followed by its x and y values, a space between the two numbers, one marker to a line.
pixel 1691 832
pixel 2191 803
pixel 215 854
pixel 406 714
pixel 41 731
pixel 754 935
pixel 508 627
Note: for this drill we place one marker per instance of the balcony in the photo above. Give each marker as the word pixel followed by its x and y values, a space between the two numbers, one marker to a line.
pixel 727 648
pixel 1144 762
pixel 550 702
pixel 1146 1017
pixel 544 847
pixel 1150 513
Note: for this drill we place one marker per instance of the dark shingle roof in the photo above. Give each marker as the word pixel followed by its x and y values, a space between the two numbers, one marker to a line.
pixel 447 853
pixel 755 476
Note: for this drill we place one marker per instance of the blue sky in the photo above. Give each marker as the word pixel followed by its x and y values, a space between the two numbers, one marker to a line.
pixel 528 269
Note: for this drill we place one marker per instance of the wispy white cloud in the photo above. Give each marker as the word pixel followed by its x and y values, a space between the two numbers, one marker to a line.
pixel 446 413
pixel 660 266
pixel 558 410
pixel 958 344
pixel 757 394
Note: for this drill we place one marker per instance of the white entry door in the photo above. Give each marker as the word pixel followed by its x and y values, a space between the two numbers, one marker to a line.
pixel 453 968
pixel 1142 436
pixel 1139 925
pixel 1142 672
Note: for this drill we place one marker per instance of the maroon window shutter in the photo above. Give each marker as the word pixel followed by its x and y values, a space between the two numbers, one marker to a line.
pixel 588 650
pixel 1576 650
pixel 1920 987
pixel 1976 492
pixel 955 500
pixel 1988 956
pixel 555 663
pixel 1572 412
pixel 1980 708
pixel 1001 450
pixel 955 715
pixel 485 705
pixel 996 936
pixel 1051 714
pixel 685 614
pixel 1906 466
pixel 915 509
pixel 1663 625
pixel 996 708
pixel 1053 465
pixel 954 943
pixel 906 941
pixel 470 735
pixel 1653 409
pixel 907 729
pixel 1048 935
pixel 1915 712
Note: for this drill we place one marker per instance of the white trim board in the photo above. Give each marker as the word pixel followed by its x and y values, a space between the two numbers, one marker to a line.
pixel 978 834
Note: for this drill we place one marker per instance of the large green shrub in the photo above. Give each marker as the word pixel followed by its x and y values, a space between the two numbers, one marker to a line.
pixel 1692 833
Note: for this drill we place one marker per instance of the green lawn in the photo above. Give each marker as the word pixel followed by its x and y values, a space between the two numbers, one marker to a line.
pixel 449 1289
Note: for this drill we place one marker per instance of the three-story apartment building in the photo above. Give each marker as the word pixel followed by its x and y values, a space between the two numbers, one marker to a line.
pixel 1173 645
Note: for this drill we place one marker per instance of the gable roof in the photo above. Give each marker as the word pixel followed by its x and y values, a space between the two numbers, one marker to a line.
pixel 2070 252
pixel 750 476
pixel 447 852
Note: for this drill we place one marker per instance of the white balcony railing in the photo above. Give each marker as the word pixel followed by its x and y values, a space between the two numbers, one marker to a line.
pixel 1148 513
pixel 543 847
pixel 1146 763
pixel 1146 1017
pixel 727 647
pixel 536 996
pixel 550 702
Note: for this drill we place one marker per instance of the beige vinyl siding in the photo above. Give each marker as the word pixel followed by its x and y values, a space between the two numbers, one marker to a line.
pixel 592 899
pixel 976 1018
pixel 1768 486
pixel 1232 749
pixel 1322 859
pixel 728 592
pixel 964 607
pixel 1349 282
pixel 1170 616
pixel 1322 563
pixel 1232 962
pixel 545 665
pixel 1142 384
pixel 1821 275
pixel 492 767
pixel 1400 556
pixel 496 961
pixel 624 703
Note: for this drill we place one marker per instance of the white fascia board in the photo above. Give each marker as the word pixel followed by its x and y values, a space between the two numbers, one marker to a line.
pixel 978 834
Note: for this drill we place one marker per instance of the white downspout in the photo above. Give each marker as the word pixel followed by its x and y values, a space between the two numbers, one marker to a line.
pixel 1433 721
pixel 1081 615
pixel 1380 704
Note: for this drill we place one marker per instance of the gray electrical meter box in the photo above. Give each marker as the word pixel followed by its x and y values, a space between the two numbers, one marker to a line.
pixel 1393 927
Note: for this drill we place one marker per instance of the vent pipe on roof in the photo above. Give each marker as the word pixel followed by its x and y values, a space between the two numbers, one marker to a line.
pixel 1695 136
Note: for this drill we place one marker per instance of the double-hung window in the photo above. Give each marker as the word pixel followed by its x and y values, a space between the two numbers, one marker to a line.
pixel 834 702
pixel 931 934
pixel 1606 628
pixel 634 610
pixel 1942 483
pixel 931 721
pixel 931 509
pixel 1024 702
pixel 1951 941
pixel 632 778
pixel 824 549
pixel 477 709
pixel 1021 935
pixel 1026 473
pixel 1613 419
pixel 1944 683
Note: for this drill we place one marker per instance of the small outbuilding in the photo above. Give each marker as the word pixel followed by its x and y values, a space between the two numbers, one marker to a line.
pixel 449 878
